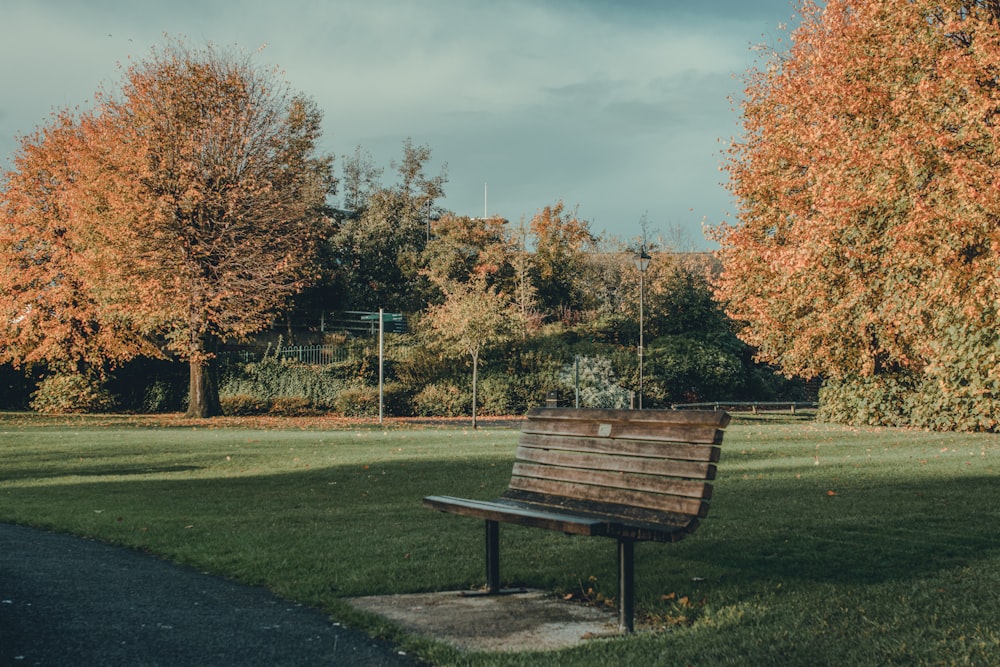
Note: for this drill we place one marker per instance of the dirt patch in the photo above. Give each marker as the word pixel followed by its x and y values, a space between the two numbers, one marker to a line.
pixel 532 621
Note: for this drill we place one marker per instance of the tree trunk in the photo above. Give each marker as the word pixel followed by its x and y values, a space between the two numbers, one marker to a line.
pixel 203 394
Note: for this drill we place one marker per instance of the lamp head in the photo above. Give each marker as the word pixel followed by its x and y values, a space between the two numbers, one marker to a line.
pixel 642 259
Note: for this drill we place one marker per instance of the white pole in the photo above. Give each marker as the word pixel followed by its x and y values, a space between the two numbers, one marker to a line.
pixel 381 356
pixel 486 199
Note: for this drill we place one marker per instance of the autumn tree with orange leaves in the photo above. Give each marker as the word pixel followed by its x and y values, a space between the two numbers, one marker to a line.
pixel 868 182
pixel 562 241
pixel 49 311
pixel 175 215
pixel 461 248
pixel 474 316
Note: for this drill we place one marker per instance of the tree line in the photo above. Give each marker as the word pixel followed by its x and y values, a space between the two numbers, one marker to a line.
pixel 190 209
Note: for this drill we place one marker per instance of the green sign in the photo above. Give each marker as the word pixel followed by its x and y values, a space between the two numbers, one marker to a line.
pixel 392 322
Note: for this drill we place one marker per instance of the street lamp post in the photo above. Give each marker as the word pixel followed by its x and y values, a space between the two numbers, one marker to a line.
pixel 641 263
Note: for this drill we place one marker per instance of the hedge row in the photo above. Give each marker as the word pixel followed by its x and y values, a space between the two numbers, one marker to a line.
pixel 904 400
pixel 420 380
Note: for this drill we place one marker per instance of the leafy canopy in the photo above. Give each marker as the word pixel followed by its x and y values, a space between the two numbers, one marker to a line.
pixel 868 199
pixel 182 211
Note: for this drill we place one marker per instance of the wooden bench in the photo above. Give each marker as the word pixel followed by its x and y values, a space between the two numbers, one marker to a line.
pixel 631 475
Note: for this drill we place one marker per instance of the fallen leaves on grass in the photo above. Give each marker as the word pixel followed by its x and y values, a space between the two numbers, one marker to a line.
pixel 680 611
pixel 258 422
pixel 588 594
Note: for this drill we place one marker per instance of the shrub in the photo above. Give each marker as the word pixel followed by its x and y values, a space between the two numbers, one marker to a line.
pixel 359 401
pixel 155 397
pixel 532 369
pixel 358 368
pixel 881 400
pixel 243 405
pixel 944 400
pixel 272 379
pixel 162 396
pixel 397 399
pixel 442 400
pixel 597 383
pixel 71 392
pixel 150 385
pixel 685 368
pixel 496 394
pixel 423 366
pixel 960 390
pixel 957 390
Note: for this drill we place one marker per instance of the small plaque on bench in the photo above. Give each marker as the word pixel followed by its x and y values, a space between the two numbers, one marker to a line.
pixel 604 430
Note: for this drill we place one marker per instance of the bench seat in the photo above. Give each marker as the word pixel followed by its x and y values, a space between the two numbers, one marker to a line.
pixel 571 518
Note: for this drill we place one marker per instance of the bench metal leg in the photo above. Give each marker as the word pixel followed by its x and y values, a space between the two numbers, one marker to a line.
pixel 492 557
pixel 493 565
pixel 626 584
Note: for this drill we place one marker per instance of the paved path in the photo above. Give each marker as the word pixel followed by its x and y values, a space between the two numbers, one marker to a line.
pixel 70 601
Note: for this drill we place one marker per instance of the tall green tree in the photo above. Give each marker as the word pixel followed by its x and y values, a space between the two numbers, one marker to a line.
pixel 377 253
pixel 362 178
pixel 693 353
pixel 524 291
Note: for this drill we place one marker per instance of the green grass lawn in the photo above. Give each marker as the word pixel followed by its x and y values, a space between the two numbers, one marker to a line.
pixel 825 545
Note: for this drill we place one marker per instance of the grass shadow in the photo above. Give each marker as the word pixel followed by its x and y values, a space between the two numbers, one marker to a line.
pixel 895 532
pixel 368 522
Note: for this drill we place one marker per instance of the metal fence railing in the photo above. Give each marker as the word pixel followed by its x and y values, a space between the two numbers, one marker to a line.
pixel 748 406
pixel 313 355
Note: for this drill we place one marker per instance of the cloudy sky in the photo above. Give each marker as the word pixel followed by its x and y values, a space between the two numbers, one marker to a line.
pixel 619 108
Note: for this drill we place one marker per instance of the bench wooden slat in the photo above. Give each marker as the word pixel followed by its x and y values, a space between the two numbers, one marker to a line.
pixel 719 419
pixel 602 494
pixel 668 450
pixel 522 514
pixel 647 430
pixel 563 515
pixel 607 462
pixel 687 488
pixel 653 524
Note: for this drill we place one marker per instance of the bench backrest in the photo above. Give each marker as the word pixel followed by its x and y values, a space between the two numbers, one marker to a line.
pixel 649 467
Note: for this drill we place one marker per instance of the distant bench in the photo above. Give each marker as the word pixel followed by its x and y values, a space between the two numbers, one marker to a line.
pixel 633 475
